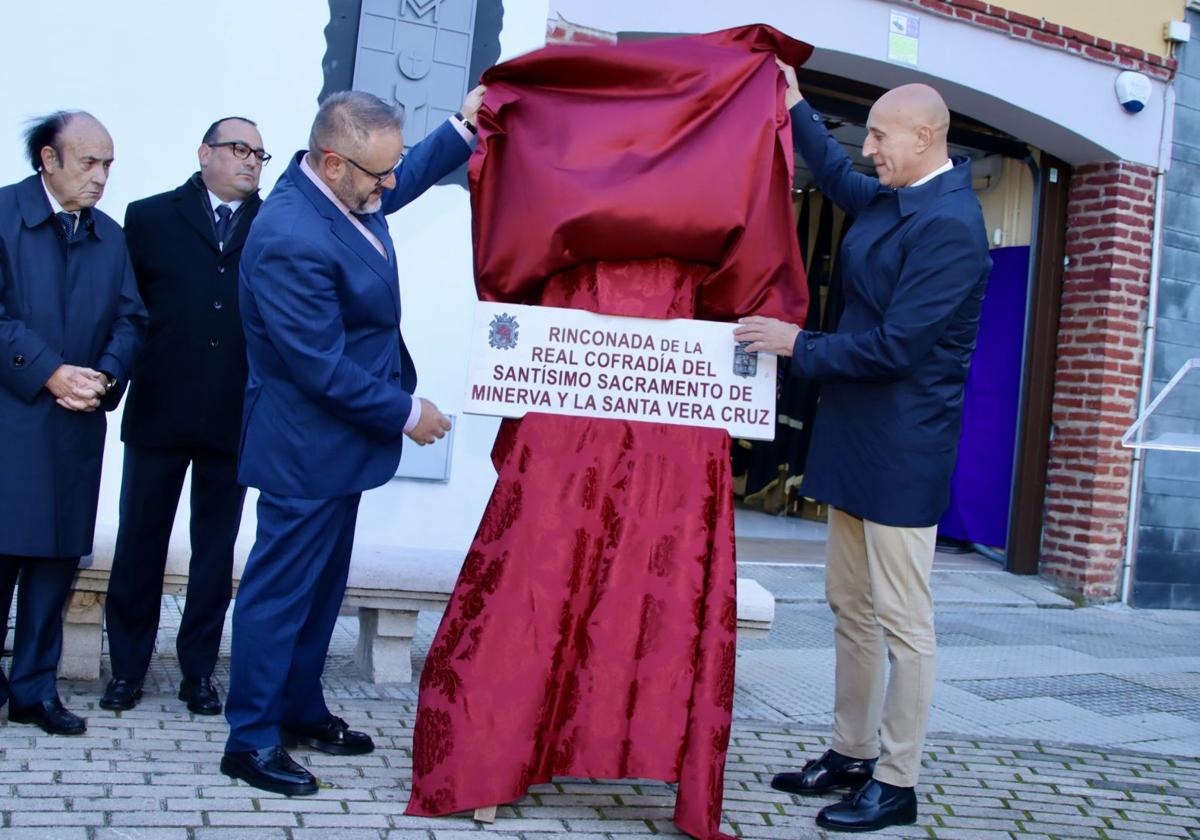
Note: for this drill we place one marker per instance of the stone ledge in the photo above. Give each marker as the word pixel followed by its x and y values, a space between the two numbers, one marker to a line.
pixel 388 586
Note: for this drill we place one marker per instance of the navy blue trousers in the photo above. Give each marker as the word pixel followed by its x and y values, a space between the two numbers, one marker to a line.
pixel 45 584
pixel 287 604
pixel 151 481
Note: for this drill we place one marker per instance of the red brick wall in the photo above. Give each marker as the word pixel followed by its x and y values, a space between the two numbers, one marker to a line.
pixel 562 31
pixel 1105 286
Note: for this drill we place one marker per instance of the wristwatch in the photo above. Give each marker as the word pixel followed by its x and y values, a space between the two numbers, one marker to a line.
pixel 470 126
pixel 110 381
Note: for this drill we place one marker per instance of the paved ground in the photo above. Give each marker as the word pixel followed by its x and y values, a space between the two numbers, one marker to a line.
pixel 1049 721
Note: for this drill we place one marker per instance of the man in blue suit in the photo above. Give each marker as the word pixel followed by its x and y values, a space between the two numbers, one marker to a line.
pixel 885 438
pixel 329 398
pixel 71 323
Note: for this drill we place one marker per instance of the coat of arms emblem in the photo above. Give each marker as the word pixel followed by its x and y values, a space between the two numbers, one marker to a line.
pixel 744 364
pixel 503 332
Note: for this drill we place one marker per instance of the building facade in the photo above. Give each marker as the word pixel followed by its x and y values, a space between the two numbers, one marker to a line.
pixel 1165 540
pixel 1064 173
pixel 1043 74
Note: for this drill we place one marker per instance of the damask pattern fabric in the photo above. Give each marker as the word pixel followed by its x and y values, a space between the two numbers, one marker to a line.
pixel 592 630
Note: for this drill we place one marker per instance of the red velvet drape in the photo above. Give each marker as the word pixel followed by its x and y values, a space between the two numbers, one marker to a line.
pixel 592 630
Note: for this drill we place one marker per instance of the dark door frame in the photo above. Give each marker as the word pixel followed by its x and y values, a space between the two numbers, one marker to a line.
pixel 1052 179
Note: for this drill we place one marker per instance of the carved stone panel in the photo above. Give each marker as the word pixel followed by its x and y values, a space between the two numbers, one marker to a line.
pixel 416 53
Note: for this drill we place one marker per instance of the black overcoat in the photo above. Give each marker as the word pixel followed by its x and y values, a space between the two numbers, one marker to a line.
pixel 190 379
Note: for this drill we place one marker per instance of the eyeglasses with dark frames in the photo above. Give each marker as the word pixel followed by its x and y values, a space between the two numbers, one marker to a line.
pixel 379 177
pixel 241 151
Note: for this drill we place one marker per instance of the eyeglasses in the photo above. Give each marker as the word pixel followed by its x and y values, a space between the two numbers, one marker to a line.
pixel 241 151
pixel 379 177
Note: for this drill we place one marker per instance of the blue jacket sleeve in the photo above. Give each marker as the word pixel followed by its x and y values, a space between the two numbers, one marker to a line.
pixel 27 361
pixel 426 163
pixel 827 160
pixel 297 300
pixel 125 337
pixel 940 272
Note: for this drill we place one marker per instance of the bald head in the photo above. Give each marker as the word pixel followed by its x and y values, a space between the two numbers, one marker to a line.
pixel 906 134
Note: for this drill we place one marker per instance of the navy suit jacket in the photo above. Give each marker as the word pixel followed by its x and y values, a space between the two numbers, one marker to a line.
pixel 914 266
pixel 330 381
pixel 60 303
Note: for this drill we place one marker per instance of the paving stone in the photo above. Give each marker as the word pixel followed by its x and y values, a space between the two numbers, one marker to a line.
pixel 1154 829
pixel 42 802
pixel 148 818
pixel 609 826
pixel 25 833
pixel 1062 829
pixel 54 819
pixel 357 820
pixel 242 833
pixel 1065 758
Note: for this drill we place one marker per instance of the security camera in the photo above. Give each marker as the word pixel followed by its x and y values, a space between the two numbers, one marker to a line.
pixel 1133 91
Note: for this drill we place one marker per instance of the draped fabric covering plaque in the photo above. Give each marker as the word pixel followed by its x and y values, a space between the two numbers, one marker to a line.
pixel 568 361
pixel 592 629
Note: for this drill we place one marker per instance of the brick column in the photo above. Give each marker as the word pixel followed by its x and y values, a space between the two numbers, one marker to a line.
pixel 559 30
pixel 1105 288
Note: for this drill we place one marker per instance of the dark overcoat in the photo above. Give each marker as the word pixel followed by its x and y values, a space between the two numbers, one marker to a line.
pixel 60 303
pixel 195 343
pixel 914 267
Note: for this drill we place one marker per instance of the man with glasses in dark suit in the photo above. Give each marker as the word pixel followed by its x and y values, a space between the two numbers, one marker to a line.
pixel 184 409
pixel 330 397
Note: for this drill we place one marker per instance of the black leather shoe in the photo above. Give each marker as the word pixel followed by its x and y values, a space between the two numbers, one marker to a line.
pixel 121 695
pixel 201 696
pixel 270 768
pixel 332 735
pixel 51 715
pixel 873 806
pixel 829 772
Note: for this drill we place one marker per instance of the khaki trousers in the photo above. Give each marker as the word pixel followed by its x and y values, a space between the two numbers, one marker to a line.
pixel 877 584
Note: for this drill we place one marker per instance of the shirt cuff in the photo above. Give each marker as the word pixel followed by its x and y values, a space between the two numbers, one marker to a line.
pixel 414 414
pixel 463 131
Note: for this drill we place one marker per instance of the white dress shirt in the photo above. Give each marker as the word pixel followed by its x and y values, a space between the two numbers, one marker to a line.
pixel 56 208
pixel 217 202
pixel 414 414
pixel 945 167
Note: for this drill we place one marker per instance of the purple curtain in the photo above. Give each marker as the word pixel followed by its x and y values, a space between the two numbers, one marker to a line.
pixel 979 490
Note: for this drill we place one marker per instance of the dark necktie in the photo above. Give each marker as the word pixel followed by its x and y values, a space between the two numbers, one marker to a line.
pixel 224 214
pixel 67 220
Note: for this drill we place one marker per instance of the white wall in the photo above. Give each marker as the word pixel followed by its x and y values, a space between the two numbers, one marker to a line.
pixel 156 74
